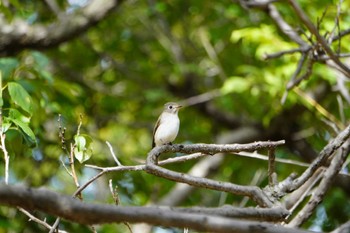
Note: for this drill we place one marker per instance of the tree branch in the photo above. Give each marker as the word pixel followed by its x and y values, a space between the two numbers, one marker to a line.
pixel 327 151
pixel 286 28
pixel 84 213
pixel 326 182
pixel 312 28
pixel 253 192
pixel 21 35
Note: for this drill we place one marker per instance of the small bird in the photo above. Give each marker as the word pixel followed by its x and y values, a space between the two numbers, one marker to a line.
pixel 167 126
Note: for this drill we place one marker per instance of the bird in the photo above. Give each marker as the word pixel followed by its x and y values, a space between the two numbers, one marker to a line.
pixel 167 126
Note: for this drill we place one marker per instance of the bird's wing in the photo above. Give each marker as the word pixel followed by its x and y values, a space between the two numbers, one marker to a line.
pixel 155 130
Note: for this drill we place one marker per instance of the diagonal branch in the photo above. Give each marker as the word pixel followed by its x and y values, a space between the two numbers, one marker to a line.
pixel 286 28
pixel 312 28
pixel 318 195
pixel 327 151
pixel 20 35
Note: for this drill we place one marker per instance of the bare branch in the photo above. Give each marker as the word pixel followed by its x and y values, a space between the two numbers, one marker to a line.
pixel 312 28
pixel 293 200
pixel 113 154
pixel 292 82
pixel 77 211
pixel 317 197
pixel 252 213
pixel 253 192
pixel 302 77
pixel 20 35
pixel 271 169
pixel 71 163
pixel 286 28
pixel 201 98
pixel 35 219
pixel 341 34
pixel 345 228
pixel 282 53
pixel 327 151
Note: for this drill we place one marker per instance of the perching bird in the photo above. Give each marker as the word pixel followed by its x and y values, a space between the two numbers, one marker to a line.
pixel 167 126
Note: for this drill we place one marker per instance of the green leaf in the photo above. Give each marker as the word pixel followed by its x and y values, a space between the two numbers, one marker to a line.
pixel 83 148
pixel 6 124
pixel 15 114
pixel 22 123
pixel 80 142
pixel 7 66
pixel 20 97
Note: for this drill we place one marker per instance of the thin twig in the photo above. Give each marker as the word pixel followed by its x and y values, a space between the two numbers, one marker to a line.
pixel 271 168
pixel 300 65
pixel 35 219
pixel 71 162
pixel 3 137
pixel 112 153
pixel 336 23
pixel 80 123
pixel 6 155
pixel 201 98
pixel 61 134
pixel 304 76
pixel 115 197
pixel 66 168
pixel 326 57
pixel 341 34
pixel 55 225
pixel 266 158
pixel 324 112
pixel 282 53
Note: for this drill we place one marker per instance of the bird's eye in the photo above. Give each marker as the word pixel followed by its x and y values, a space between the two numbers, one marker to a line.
pixel 170 107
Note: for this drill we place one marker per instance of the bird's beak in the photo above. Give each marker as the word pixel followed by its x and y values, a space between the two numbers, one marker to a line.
pixel 179 106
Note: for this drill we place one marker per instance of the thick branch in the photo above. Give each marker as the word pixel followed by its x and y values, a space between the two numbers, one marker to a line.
pixel 20 35
pixel 77 211
pixel 266 214
pixel 327 151
pixel 253 192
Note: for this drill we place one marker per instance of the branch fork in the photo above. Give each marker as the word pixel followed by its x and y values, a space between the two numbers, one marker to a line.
pixel 253 192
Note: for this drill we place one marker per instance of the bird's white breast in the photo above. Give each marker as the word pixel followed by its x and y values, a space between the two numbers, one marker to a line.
pixel 167 129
